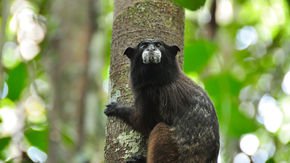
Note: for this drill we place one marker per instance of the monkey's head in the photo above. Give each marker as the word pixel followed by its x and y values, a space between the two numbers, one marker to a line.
pixel 152 61
pixel 151 51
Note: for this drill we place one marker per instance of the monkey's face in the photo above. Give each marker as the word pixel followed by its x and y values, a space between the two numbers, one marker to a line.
pixel 152 62
pixel 151 52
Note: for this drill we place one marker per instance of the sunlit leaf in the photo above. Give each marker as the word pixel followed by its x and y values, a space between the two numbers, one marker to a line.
pixel 11 57
pixel 246 15
pixel 283 154
pixel 7 103
pixel 35 109
pixel 190 4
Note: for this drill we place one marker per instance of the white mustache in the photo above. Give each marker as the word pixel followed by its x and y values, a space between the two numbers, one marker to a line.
pixel 149 56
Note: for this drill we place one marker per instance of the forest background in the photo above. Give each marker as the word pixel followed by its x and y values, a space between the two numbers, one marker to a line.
pixel 54 76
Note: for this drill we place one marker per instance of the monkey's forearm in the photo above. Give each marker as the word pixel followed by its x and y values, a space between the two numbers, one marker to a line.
pixel 127 114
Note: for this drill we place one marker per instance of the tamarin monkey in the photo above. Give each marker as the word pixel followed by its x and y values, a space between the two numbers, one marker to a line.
pixel 173 112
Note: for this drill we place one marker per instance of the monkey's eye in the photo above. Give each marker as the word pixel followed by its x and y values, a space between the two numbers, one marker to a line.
pixel 157 44
pixel 143 45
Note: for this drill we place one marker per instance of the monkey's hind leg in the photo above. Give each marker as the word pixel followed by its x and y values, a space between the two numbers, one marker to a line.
pixel 161 146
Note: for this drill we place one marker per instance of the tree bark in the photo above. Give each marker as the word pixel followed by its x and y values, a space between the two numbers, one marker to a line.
pixel 135 20
pixel 69 74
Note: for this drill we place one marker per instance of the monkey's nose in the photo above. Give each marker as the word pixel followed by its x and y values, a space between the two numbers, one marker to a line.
pixel 151 47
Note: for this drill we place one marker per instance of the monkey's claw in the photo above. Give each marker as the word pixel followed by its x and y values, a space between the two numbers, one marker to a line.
pixel 111 109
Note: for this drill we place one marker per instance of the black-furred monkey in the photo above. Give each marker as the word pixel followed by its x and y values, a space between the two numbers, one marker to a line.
pixel 174 113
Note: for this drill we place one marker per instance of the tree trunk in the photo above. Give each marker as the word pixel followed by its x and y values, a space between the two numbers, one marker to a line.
pixel 69 74
pixel 4 15
pixel 135 20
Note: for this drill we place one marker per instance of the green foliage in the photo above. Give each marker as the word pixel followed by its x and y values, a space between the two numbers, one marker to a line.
pixel 215 63
pixel 197 55
pixel 38 138
pixel 17 81
pixel 67 139
pixel 283 153
pixel 4 142
pixel 190 4
pixel 224 90
pixel 10 57
pixel 6 103
pixel 236 80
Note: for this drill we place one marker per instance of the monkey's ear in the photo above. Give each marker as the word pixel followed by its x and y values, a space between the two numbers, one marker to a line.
pixel 129 52
pixel 174 49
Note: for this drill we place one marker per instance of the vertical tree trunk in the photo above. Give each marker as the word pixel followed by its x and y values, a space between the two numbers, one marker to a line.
pixel 135 20
pixel 4 15
pixel 69 69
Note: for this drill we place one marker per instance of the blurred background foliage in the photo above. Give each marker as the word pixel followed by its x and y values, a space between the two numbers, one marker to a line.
pixel 237 50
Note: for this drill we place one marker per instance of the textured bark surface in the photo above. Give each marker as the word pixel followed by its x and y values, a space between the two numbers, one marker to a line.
pixel 135 20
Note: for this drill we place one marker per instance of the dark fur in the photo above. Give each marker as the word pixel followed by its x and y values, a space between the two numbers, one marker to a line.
pixel 178 113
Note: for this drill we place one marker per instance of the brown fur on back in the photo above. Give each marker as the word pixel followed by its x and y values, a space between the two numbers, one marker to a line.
pixel 161 146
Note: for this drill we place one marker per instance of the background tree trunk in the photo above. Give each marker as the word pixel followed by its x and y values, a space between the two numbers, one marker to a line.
pixel 69 73
pixel 135 20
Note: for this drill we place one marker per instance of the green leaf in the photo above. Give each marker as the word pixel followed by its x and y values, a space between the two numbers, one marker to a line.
pixel 190 4
pixel 38 138
pixel 4 142
pixel 282 153
pixel 197 54
pixel 224 90
pixel 17 80
pixel 10 56
pixel 6 103
pixel 271 160
pixel 67 138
